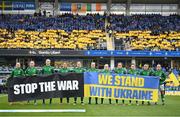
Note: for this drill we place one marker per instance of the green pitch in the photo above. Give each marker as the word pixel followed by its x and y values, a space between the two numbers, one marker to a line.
pixel 172 108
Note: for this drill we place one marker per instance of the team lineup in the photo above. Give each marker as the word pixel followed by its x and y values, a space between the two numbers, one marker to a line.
pixel 49 70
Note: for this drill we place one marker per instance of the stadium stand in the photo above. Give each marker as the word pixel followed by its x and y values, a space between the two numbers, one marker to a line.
pixel 67 22
pixel 146 40
pixel 146 32
pixel 154 22
pixel 63 32
pixel 88 32
pixel 77 39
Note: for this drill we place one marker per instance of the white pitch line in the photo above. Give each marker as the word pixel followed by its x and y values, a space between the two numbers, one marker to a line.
pixel 40 111
pixel 3 96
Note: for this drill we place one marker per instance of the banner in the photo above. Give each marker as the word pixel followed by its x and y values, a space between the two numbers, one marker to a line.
pixel 65 6
pixel 82 7
pixel 124 53
pixel 23 5
pixel 45 87
pixel 30 6
pixel 8 5
pixel 87 53
pixel 78 7
pixel 172 90
pixel 40 52
pixel 127 87
pixel 18 6
pixel 46 5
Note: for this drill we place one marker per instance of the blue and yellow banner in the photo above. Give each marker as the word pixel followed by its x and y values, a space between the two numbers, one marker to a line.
pixel 172 90
pixel 116 86
pixel 8 5
pixel 5 5
pixel 23 5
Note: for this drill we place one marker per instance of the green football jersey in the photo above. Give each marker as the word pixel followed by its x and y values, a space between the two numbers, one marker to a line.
pixel 146 73
pixel 31 71
pixel 17 72
pixel 64 70
pixel 92 70
pixel 105 71
pixel 120 70
pixel 79 70
pixel 48 70
pixel 161 74
pixel 133 72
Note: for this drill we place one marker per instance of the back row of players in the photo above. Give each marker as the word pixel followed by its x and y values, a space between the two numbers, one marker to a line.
pixel 48 70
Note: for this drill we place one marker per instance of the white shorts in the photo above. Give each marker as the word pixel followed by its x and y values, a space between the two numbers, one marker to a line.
pixel 161 87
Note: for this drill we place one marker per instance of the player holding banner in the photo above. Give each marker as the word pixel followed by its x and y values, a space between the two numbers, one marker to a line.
pixel 17 72
pixel 159 72
pixel 133 71
pixel 93 69
pixel 106 70
pixel 64 69
pixel 48 70
pixel 79 69
pixel 120 70
pixel 146 72
pixel 31 71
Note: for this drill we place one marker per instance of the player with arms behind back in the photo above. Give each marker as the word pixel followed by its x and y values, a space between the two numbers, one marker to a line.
pixel 47 70
pixel 133 71
pixel 159 72
pixel 78 69
pixel 120 70
pixel 17 72
pixel 146 72
pixel 31 71
pixel 93 69
pixel 64 69
pixel 106 70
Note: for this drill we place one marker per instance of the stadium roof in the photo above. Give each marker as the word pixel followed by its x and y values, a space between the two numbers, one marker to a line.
pixel 125 1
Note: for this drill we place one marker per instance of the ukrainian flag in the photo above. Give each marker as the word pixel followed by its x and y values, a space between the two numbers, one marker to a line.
pixel 173 78
pixel 5 5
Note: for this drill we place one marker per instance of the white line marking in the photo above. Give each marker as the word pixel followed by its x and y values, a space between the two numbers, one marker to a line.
pixel 37 111
pixel 3 95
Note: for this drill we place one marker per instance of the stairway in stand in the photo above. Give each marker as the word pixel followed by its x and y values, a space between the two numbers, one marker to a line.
pixel 109 38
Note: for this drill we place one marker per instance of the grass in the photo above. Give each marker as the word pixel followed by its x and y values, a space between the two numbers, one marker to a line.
pixel 172 108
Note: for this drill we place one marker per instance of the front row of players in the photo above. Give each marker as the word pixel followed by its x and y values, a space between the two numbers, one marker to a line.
pixel 48 70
